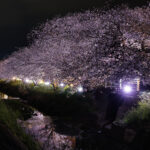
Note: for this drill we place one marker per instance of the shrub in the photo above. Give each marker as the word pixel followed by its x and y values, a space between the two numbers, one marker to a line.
pixel 141 113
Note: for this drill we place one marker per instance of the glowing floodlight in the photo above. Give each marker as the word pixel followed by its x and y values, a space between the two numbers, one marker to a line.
pixel 47 83
pixel 5 96
pixel 71 85
pixel 14 78
pixel 28 81
pixel 127 89
pixel 40 81
pixel 62 84
pixel 18 79
pixel 80 89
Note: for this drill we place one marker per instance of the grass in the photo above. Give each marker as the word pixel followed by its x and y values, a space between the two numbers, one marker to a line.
pixel 8 117
pixel 24 111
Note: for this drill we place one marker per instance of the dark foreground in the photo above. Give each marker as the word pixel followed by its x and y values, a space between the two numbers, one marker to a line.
pixel 100 128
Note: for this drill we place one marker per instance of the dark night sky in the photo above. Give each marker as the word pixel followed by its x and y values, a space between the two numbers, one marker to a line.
pixel 18 17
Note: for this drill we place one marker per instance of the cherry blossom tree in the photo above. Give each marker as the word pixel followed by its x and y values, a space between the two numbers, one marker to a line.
pixel 88 48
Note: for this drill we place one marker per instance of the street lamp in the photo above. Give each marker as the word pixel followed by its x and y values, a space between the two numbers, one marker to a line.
pixel 47 83
pixel 127 89
pixel 62 84
pixel 80 89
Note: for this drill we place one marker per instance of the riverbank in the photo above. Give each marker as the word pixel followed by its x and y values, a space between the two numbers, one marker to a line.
pixel 12 136
pixel 130 132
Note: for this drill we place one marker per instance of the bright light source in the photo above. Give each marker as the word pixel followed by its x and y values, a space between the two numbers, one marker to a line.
pixel 14 78
pixel 28 81
pixel 47 83
pixel 17 79
pixel 5 96
pixel 127 89
pixel 40 81
pixel 71 85
pixel 80 89
pixel 62 84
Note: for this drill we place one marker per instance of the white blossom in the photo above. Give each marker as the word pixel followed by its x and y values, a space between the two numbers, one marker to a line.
pixel 88 48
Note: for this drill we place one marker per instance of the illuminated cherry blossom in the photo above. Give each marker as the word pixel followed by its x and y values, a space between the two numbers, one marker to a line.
pixel 88 48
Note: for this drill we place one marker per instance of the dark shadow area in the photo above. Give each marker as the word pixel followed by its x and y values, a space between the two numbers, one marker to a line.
pixel 8 141
pixel 89 117
pixel 70 113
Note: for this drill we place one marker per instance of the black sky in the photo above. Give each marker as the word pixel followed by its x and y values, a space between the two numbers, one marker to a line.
pixel 18 17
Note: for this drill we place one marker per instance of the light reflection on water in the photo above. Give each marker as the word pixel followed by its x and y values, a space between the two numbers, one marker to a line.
pixel 41 128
